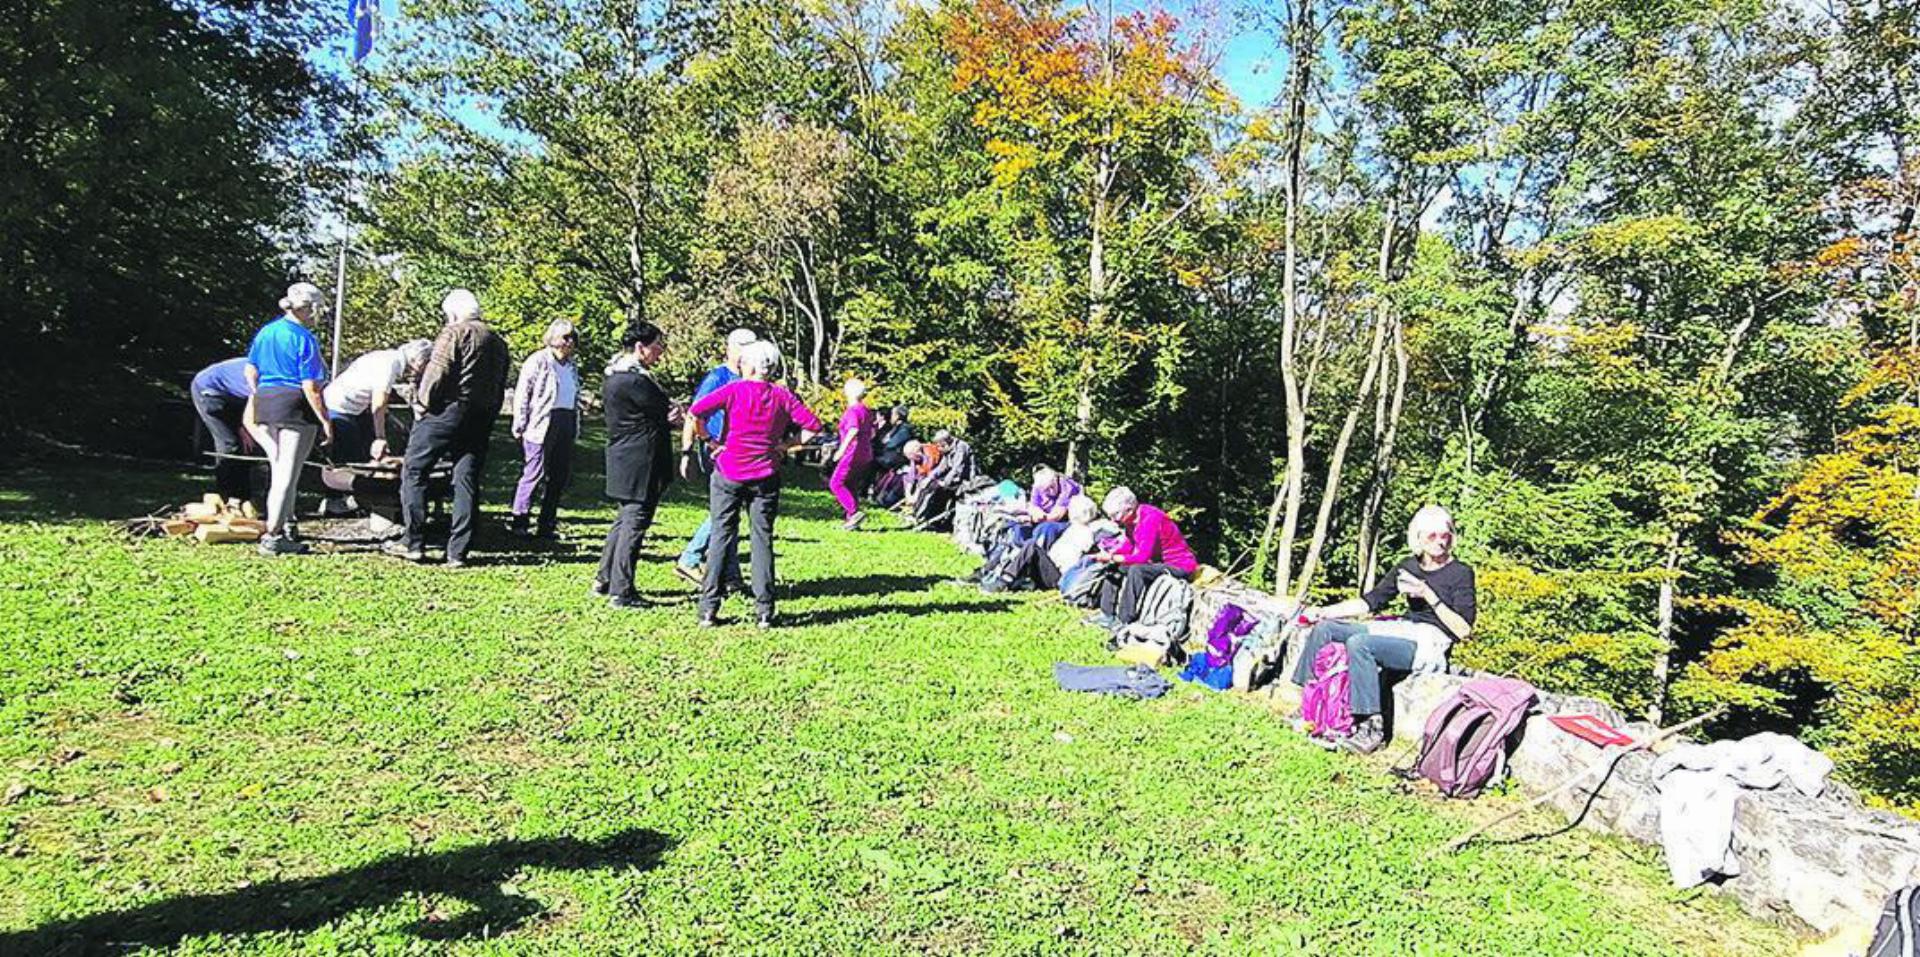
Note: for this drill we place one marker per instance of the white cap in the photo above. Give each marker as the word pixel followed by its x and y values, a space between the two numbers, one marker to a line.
pixel 741 337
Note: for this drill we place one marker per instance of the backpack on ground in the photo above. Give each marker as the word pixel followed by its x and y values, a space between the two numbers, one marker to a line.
pixel 1464 747
pixel 1325 703
pixel 1898 933
pixel 1080 585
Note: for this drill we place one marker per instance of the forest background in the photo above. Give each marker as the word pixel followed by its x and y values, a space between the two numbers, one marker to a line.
pixel 1629 287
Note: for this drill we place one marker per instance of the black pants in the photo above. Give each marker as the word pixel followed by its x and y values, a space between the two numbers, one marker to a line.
pixel 1033 566
pixel 352 439
pixel 725 499
pixel 1120 597
pixel 220 416
pixel 445 435
pixel 930 510
pixel 629 532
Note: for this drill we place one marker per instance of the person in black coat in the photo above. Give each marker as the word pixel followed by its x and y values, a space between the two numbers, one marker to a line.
pixel 639 457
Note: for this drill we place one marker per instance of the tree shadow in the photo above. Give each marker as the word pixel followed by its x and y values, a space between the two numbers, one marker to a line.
pixel 832 616
pixel 473 874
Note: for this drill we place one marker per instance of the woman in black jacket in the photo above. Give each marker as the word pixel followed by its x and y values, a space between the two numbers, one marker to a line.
pixel 639 457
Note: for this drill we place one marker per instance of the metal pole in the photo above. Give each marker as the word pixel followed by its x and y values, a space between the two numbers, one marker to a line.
pixel 346 243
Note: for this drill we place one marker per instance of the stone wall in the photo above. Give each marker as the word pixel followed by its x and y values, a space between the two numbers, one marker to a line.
pixel 1828 862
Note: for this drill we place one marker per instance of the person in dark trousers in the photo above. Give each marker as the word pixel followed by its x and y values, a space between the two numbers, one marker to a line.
pixel 457 400
pixel 220 394
pixel 956 467
pixel 1441 608
pixel 1153 548
pixel 639 457
pixel 747 472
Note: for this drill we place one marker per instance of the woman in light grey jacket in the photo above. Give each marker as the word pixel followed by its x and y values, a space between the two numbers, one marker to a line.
pixel 546 422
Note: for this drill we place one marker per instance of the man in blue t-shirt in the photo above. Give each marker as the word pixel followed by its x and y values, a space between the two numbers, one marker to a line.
pixel 696 458
pixel 220 393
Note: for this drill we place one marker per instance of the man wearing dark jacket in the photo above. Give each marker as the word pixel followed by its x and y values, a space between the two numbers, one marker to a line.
pixel 458 397
pixel 639 457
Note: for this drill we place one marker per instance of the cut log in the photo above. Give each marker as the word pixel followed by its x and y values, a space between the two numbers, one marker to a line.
pixel 213 499
pixel 177 527
pixel 222 534
pixel 200 512
pixel 246 524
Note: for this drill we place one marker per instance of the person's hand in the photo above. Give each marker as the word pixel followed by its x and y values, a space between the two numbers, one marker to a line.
pixel 326 432
pixel 377 451
pixel 686 465
pixel 1418 588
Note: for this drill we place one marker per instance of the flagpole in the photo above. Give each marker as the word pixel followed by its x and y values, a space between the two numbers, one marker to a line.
pixel 355 51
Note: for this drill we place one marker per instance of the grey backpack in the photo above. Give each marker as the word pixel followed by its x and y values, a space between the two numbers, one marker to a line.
pixel 1898 933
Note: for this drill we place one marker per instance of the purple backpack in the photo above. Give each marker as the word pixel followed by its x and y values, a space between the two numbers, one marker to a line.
pixel 1464 748
pixel 1325 703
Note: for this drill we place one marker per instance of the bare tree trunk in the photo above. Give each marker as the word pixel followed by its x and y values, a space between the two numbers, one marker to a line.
pixel 1663 661
pixel 1330 488
pixel 1097 306
pixel 1370 525
pixel 1300 44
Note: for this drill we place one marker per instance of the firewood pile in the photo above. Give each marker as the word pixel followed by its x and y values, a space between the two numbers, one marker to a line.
pixel 210 521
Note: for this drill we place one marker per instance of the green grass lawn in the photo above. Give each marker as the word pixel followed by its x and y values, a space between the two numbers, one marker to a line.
pixel 206 750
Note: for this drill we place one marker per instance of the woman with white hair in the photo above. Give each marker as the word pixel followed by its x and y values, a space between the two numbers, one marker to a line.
pixel 854 454
pixel 1153 549
pixel 287 411
pixel 1440 611
pixel 1040 563
pixel 546 421
pixel 747 472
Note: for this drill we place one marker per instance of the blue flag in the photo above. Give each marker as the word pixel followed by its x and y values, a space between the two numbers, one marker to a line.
pixel 362 13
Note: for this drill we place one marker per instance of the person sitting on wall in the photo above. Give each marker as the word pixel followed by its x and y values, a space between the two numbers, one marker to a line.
pixel 1441 607
pixel 1041 562
pixel 1153 548
pixel 1044 514
pixel 953 470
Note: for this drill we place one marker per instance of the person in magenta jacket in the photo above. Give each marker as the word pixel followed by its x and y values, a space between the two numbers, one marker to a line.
pixel 747 471
pixel 1153 547
pixel 853 455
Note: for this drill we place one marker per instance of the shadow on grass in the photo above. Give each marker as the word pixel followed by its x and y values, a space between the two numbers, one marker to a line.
pixel 852 585
pixel 473 874
pixel 833 616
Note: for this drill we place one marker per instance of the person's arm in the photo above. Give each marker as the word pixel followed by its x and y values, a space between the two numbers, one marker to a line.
pixel 1459 621
pixel 1375 599
pixel 248 420
pixel 319 404
pixel 438 363
pixel 809 423
pixel 377 407
pixel 523 395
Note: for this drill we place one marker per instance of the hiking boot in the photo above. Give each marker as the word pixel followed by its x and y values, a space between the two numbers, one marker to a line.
pixel 1368 736
pixel 765 623
pixel 992 586
pixel 275 545
pixel 401 551
pixel 628 602
pixel 709 621
pixel 519 527
pixel 599 587
pixel 456 563
pixel 853 521
pixel 1101 620
pixel 335 506
pixel 547 534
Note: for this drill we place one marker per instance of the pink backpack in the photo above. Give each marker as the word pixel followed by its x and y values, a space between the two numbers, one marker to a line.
pixel 1325 704
pixel 1464 749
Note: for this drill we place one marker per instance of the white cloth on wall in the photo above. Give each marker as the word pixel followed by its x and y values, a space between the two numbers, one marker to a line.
pixel 1700 788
